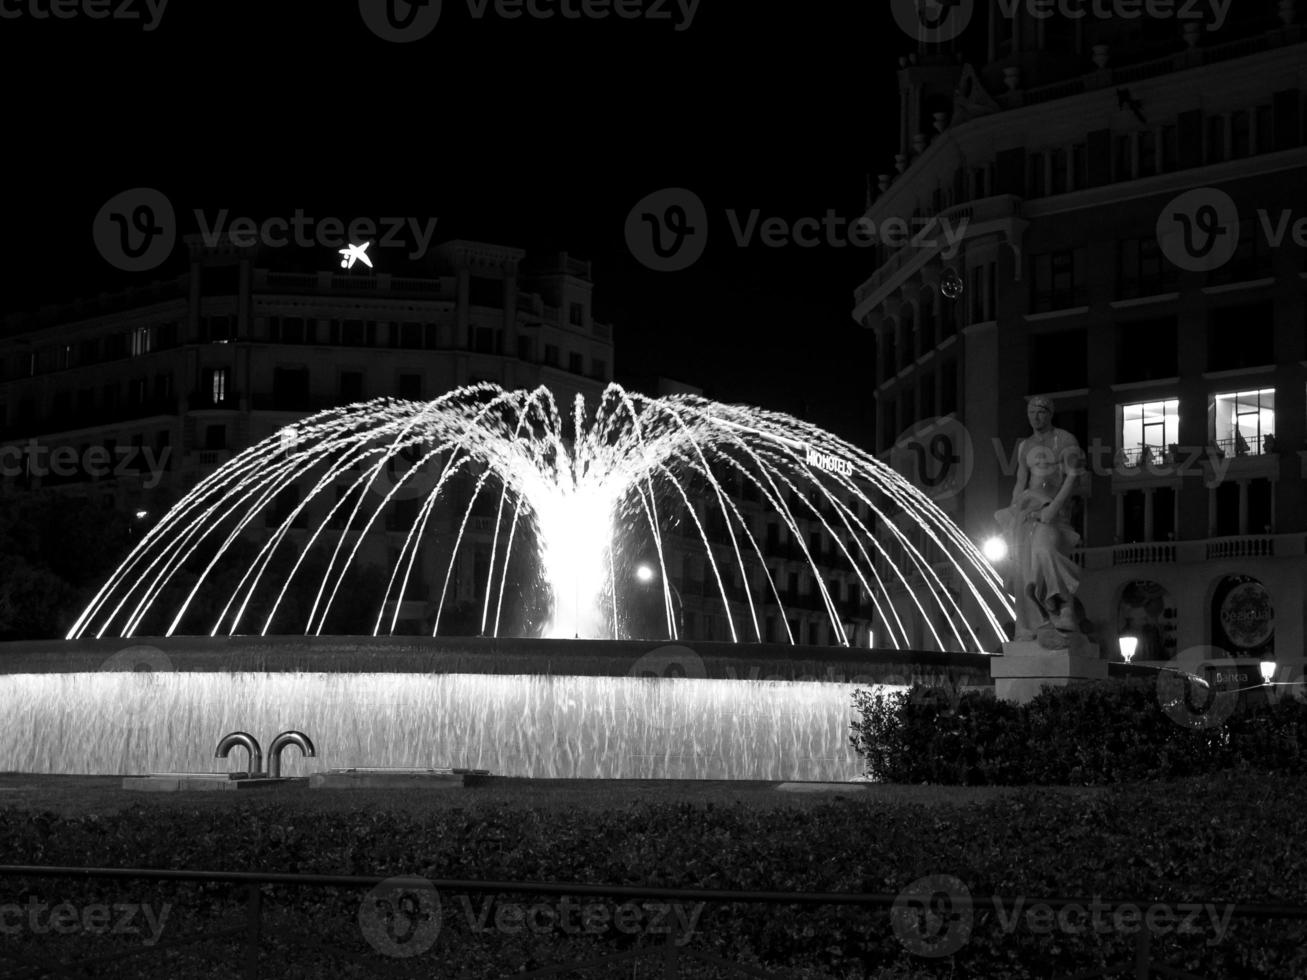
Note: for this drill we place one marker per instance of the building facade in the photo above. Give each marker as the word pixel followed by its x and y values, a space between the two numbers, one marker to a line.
pixel 1111 213
pixel 138 396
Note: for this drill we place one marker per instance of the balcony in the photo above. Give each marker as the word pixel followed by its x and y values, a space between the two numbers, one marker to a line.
pixel 1245 546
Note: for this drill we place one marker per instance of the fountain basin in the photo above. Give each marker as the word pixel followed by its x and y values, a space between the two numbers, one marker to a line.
pixel 396 778
pixel 179 782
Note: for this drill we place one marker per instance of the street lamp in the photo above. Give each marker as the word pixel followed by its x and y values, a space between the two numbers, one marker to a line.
pixel 644 574
pixel 1128 644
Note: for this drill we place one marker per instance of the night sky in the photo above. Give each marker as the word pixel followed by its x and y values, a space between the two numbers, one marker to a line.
pixel 539 134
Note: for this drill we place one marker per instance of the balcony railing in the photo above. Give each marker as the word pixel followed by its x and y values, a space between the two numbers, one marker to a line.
pixel 1246 546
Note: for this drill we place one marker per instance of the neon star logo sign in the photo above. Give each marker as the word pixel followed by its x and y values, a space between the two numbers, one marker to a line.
pixel 355 253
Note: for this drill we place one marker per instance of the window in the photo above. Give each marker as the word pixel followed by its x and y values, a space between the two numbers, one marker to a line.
pixel 351 387
pixel 217 329
pixel 216 383
pixel 551 355
pixel 290 389
pixel 1243 420
pixel 599 368
pixel 292 330
pixel 1241 337
pixel 142 341
pixel 410 387
pixel 410 335
pixel 1059 361
pixel 1142 270
pixel 576 314
pixel 1252 256
pixel 485 340
pixel 1058 281
pixel 526 348
pixel 215 437
pixel 1215 139
pixel 1146 350
pixel 1149 425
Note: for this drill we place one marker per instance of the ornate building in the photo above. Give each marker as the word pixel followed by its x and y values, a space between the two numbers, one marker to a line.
pixel 1110 213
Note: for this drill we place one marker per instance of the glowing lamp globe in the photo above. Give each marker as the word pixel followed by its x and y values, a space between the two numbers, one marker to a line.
pixel 644 574
pixel 951 285
pixel 1267 668
pixel 995 549
pixel 1129 644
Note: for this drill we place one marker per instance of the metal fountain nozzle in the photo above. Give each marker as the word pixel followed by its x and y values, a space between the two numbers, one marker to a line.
pixel 246 741
pixel 298 739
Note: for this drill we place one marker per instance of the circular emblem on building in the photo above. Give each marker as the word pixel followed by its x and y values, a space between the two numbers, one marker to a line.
pixel 1247 615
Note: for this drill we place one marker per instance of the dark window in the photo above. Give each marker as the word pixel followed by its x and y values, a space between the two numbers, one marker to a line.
pixel 526 348
pixel 410 387
pixel 1163 514
pixel 221 281
pixel 1059 281
pixel 1058 361
pixel 576 314
pixel 948 377
pixel 575 363
pixel 551 355
pixel 1259 507
pixel 1146 350
pixel 351 386
pixel 485 340
pixel 1227 509
pixel 1133 514
pixel 1240 337
pixel 410 335
pixel 431 336
pixel 215 437
pixel 599 368
pixel 290 389
pixel 485 292
pixel 292 330
pixel 1142 270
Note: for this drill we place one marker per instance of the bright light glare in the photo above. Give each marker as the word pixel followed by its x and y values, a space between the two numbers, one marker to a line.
pixel 644 573
pixel 142 515
pixel 1129 644
pixel 995 549
pixel 1267 667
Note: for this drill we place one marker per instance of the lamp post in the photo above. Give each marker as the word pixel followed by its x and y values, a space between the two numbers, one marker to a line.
pixel 645 574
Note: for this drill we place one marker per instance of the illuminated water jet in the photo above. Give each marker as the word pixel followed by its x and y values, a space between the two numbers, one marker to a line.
pixel 569 508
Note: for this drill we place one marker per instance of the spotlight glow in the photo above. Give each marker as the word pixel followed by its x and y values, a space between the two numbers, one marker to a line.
pixel 995 550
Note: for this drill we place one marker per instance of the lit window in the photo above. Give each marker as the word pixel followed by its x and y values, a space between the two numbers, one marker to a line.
pixel 1245 422
pixel 1154 426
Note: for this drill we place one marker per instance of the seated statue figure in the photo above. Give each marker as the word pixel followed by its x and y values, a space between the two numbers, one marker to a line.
pixel 1038 531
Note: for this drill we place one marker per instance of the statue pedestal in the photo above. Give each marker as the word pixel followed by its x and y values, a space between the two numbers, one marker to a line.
pixel 1024 667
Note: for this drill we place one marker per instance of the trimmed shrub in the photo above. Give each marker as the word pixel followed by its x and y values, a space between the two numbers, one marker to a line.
pixel 1085 734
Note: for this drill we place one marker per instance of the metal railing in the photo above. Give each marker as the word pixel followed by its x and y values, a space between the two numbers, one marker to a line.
pixel 1143 964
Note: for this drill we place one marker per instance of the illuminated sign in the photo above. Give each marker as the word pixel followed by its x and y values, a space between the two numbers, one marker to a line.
pixel 355 253
pixel 829 462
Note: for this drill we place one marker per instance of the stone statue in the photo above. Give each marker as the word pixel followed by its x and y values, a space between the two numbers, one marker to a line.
pixel 1039 535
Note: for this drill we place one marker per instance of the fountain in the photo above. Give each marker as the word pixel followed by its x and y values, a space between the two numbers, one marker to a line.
pixel 331 525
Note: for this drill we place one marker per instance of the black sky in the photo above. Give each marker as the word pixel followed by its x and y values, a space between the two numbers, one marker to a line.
pixel 536 134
